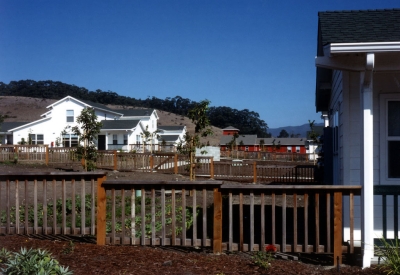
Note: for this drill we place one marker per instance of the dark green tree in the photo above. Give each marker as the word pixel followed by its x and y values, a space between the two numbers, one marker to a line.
pixel 87 132
pixel 283 134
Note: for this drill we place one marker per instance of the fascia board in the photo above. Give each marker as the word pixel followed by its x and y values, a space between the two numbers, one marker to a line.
pixel 364 47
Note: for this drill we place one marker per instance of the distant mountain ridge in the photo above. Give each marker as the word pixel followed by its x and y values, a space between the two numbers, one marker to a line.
pixel 302 129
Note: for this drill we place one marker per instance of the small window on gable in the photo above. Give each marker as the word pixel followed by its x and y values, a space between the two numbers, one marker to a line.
pixel 70 115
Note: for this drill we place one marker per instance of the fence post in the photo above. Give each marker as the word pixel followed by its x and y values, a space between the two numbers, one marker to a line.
pixel 337 228
pixel 254 172
pixel 217 232
pixel 101 212
pixel 115 160
pixel 175 164
pixel 47 154
pixel 212 168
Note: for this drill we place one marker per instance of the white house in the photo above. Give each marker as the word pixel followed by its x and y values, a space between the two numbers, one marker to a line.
pixel 120 127
pixel 171 135
pixel 358 89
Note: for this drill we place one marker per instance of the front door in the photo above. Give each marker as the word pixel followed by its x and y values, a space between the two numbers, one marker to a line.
pixel 101 142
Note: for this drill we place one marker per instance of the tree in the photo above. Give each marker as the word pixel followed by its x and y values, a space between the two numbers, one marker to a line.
pixel 198 115
pixel 283 134
pixel 87 133
pixel 148 136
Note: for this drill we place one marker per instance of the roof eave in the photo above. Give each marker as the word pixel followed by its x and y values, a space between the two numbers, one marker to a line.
pixel 362 47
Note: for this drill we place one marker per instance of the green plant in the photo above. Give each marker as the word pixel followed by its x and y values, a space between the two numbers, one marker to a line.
pixel 33 261
pixel 389 252
pixel 263 259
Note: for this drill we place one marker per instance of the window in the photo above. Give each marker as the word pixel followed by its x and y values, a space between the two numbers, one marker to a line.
pixel 289 149
pixel 390 139
pixel 125 139
pixel 115 139
pixel 36 139
pixel 70 140
pixel 246 148
pixel 137 139
pixel 70 115
pixel 297 149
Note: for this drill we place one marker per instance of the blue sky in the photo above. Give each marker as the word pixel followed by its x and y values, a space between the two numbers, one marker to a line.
pixel 256 55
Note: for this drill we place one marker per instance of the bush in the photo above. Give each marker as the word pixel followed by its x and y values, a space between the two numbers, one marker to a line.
pixel 30 262
pixel 388 251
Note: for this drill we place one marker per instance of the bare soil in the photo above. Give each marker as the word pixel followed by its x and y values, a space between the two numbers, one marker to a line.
pixel 83 256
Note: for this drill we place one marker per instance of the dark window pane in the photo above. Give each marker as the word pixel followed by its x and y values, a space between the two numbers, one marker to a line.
pixel 394 159
pixel 394 118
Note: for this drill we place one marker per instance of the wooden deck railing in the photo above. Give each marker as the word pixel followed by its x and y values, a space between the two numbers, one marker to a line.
pixel 295 218
pixel 391 191
pixel 45 203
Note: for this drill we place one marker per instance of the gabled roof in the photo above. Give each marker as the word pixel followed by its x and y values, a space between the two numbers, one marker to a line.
pixel 6 126
pixel 246 139
pixel 357 26
pixel 119 124
pixel 87 103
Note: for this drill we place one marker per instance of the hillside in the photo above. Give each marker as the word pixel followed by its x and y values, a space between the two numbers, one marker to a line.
pixel 27 109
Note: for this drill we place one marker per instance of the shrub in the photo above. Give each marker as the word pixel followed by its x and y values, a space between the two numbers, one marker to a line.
pixel 388 251
pixel 32 261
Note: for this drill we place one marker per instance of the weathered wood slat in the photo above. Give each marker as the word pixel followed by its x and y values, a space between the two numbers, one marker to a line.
pixel 194 214
pixel 230 222
pixel 204 241
pixel 26 206
pixel 113 219
pixel 337 228
pixel 123 216
pixel 183 217
pixel 294 249
pixel 328 223
pixel 251 221
pixel 163 229
pixel 273 217
pixel 316 208
pixel 73 202
pixel 306 223
pixel 262 205
pixel 64 207
pixel 83 206
pixel 283 248
pixel 44 227
pixel 54 206
pixel 35 207
pixel 133 216
pixel 93 208
pixel 8 207
pixel 351 223
pixel 153 216
pixel 173 222
pixel 143 217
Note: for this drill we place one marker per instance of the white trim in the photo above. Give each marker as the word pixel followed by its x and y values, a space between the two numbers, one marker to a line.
pixel 383 99
pixel 364 47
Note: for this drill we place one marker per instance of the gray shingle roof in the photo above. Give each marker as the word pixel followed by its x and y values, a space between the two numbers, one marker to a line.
pixel 135 112
pixel 283 141
pixel 247 139
pixel 5 126
pixel 171 128
pixel 119 124
pixel 358 26
pixel 169 138
pixel 98 105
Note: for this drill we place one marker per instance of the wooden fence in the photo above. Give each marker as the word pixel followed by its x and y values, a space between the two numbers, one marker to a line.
pixel 261 155
pixel 29 201
pixel 295 218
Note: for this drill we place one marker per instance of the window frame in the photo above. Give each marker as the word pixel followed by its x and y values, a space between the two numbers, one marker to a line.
pixel 385 138
pixel 69 116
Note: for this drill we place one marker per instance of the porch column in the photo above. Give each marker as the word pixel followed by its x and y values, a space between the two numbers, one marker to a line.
pixel 367 168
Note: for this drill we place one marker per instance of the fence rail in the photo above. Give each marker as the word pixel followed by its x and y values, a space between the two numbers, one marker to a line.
pixel 44 203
